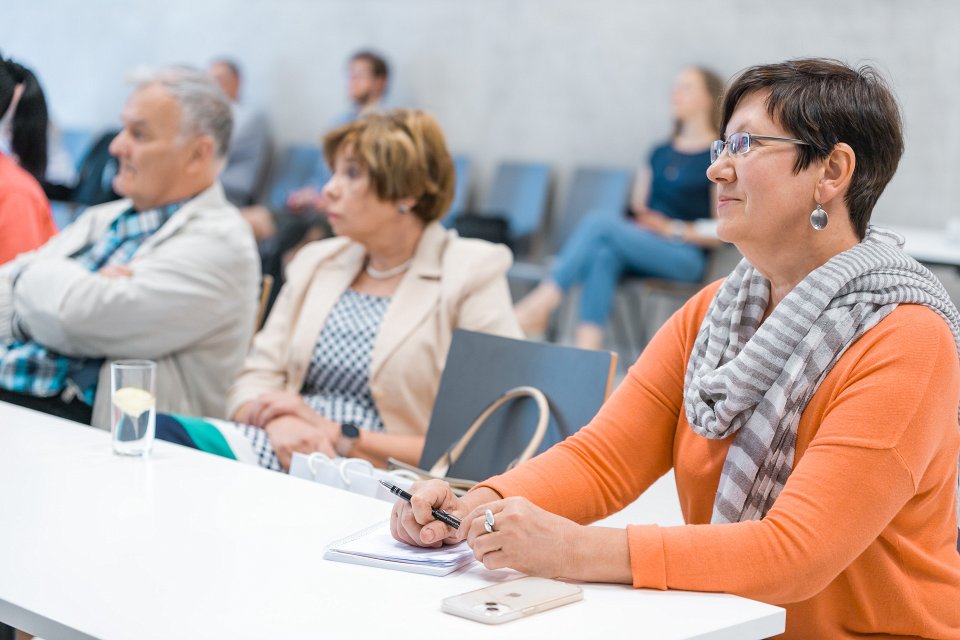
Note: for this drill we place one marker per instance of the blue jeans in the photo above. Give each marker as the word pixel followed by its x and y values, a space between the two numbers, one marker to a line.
pixel 604 246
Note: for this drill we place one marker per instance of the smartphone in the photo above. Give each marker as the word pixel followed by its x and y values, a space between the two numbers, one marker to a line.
pixel 511 600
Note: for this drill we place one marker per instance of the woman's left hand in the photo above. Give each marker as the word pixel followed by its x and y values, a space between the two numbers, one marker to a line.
pixel 524 537
pixel 273 404
pixel 290 434
pixel 655 221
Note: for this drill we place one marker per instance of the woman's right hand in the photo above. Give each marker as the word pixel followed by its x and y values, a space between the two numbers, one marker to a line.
pixel 413 522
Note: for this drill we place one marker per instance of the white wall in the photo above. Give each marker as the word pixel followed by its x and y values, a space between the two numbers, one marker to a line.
pixel 566 81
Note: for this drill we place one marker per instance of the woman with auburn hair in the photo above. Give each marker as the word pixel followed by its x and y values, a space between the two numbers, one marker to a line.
pixel 807 403
pixel 350 358
pixel 26 221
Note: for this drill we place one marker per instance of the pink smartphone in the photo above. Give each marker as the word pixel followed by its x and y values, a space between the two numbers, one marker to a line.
pixel 511 600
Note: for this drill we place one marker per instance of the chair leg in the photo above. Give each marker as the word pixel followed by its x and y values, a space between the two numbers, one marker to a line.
pixel 626 329
pixel 644 307
pixel 564 322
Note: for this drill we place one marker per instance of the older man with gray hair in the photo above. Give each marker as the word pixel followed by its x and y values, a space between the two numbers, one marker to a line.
pixel 169 273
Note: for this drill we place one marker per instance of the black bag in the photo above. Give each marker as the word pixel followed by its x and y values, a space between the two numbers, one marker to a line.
pixel 94 178
pixel 490 227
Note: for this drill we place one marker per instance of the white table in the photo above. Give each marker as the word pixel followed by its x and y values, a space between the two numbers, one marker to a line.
pixel 189 545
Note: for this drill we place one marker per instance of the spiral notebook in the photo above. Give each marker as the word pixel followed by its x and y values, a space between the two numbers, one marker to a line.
pixel 375 547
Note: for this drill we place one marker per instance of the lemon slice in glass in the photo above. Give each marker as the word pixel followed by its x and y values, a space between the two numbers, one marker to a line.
pixel 133 401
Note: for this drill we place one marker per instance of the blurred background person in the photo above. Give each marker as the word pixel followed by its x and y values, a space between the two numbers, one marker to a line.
pixel 169 273
pixel 368 77
pixel 250 145
pixel 26 221
pixel 657 238
pixel 281 233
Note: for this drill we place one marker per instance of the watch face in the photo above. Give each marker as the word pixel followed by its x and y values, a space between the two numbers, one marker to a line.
pixel 350 431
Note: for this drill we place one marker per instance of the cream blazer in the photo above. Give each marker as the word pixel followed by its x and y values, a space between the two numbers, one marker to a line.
pixel 452 283
pixel 190 306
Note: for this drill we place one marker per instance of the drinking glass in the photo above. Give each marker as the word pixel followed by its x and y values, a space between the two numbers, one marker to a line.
pixel 133 406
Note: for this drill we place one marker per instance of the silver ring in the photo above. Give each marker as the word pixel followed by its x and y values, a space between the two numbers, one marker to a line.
pixel 488 521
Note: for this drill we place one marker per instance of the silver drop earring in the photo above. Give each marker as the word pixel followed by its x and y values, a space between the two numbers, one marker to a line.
pixel 819 218
pixel 403 208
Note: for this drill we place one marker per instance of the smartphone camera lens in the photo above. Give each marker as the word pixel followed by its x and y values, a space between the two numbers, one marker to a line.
pixel 492 608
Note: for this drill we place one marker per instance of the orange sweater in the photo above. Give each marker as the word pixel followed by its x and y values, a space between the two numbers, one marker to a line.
pixel 25 218
pixel 862 540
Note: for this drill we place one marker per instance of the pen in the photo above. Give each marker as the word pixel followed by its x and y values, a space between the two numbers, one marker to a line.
pixel 440 515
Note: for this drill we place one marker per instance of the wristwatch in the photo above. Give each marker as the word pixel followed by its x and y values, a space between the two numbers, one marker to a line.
pixel 678 229
pixel 349 434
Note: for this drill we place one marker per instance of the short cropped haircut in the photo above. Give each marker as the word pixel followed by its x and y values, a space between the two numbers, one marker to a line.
pixel 825 102
pixel 204 108
pixel 378 64
pixel 405 154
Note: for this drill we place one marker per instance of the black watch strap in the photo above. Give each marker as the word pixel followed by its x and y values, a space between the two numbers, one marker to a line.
pixel 349 434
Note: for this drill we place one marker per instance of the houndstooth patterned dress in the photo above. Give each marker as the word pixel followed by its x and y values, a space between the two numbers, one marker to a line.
pixel 337 382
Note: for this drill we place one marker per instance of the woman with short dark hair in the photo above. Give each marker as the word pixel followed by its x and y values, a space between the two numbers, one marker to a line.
pixel 26 221
pixel 808 403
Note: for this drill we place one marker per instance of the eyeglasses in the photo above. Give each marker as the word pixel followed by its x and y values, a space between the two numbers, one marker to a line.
pixel 738 144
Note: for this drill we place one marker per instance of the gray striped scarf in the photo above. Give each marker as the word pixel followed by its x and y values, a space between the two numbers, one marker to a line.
pixel 755 379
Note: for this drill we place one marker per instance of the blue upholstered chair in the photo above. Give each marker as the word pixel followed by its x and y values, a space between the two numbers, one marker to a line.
pixel 297 166
pixel 461 195
pixel 481 367
pixel 591 189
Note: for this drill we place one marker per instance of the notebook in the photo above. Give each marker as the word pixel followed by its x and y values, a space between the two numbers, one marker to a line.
pixel 375 547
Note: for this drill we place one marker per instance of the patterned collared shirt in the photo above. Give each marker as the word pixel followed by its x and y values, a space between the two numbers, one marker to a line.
pixel 30 368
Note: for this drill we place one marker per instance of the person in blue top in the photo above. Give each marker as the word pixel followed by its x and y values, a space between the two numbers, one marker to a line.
pixel 657 237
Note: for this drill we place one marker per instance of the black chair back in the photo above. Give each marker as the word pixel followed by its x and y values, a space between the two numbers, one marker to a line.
pixel 481 367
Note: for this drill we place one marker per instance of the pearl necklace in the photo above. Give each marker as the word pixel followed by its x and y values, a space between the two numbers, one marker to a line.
pixel 386 274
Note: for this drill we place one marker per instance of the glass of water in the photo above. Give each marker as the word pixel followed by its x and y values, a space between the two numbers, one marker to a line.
pixel 133 406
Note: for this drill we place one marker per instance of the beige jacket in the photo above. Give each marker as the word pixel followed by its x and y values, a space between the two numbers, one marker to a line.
pixel 452 283
pixel 190 304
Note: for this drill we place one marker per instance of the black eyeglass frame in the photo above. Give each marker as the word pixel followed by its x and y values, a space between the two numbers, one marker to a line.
pixel 717 146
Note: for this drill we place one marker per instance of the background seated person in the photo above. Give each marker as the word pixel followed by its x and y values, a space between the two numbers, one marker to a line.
pixel 349 360
pixel 281 236
pixel 368 77
pixel 658 239
pixel 170 273
pixel 92 183
pixel 250 145
pixel 26 221
pixel 808 403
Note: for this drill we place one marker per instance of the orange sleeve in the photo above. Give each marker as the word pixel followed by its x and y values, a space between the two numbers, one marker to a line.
pixel 894 411
pixel 20 226
pixel 628 445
